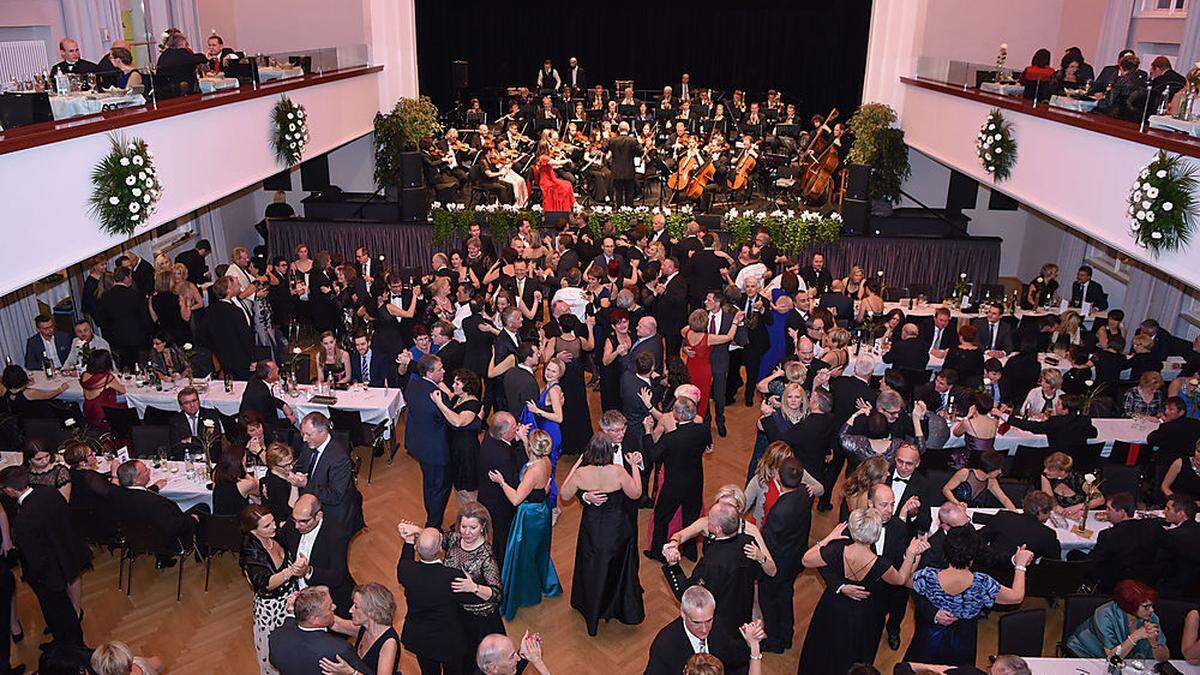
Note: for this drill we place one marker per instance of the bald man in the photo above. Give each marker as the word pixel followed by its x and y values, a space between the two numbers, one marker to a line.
pixel 325 545
pixel 950 515
pixel 433 630
pixel 497 655
pixel 908 352
pixel 72 63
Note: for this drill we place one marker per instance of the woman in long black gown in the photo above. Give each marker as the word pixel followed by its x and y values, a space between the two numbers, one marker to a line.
pixel 612 360
pixel 462 414
pixel 568 341
pixel 605 582
pixel 846 624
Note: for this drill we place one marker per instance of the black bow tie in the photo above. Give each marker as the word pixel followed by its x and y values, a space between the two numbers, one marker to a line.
pixel 901 479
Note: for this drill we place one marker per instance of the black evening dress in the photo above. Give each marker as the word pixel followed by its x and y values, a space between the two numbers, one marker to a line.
pixel 371 658
pixel 605 582
pixel 843 631
pixel 464 447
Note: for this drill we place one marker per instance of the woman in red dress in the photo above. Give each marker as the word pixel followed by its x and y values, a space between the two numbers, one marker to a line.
pixel 557 194
pixel 100 388
pixel 697 348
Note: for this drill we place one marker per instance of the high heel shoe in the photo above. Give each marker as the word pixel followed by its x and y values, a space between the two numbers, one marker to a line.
pixel 19 635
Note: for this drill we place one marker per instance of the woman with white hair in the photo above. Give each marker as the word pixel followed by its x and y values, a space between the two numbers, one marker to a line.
pixel 848 620
pixel 116 658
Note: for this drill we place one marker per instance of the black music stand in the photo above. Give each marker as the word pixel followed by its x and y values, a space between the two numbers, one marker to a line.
pixel 474 119
pixel 627 110
pixel 789 130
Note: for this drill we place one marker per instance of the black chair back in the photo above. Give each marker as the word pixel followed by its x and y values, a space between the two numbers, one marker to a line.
pixel 144 539
pixel 149 439
pixel 349 421
pixel 48 430
pixel 916 290
pixel 1171 614
pixel 96 528
pixel 1056 578
pixel 156 416
pixel 1076 610
pixel 1021 632
pixel 121 421
pixel 1028 463
pixel 222 534
pixel 1118 478
pixel 1085 458
pixel 1015 490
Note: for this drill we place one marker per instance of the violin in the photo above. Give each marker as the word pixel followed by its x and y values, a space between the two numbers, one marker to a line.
pixel 459 146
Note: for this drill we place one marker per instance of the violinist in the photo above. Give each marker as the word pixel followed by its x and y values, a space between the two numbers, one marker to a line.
pixel 627 97
pixel 579 115
pixel 502 157
pixel 593 167
pixel 562 164
pixel 644 115
pixel 516 139
pixel 485 175
pixel 482 134
pixel 719 122
pixel 433 159
pixel 450 147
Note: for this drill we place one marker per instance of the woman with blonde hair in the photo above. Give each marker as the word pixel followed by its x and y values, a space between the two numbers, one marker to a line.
pixel 764 489
pixel 1068 487
pixel 528 574
pixel 167 308
pixel 734 496
pixel 468 549
pixel 1040 401
pixel 778 417
pixel 836 354
pixel 116 658
pixel 1069 325
pixel 372 612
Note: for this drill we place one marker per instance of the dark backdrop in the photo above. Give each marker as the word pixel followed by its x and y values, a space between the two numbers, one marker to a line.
pixel 814 52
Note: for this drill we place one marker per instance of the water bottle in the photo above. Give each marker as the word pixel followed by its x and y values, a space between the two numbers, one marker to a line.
pixel 62 83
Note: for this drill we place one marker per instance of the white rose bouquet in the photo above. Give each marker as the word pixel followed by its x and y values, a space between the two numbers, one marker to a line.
pixel 289 134
pixel 1161 205
pixel 995 145
pixel 125 187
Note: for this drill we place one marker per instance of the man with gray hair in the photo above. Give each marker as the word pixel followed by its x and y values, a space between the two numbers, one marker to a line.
pixel 908 353
pixel 681 453
pixel 500 452
pixel 139 503
pixel 698 630
pixel 623 148
pixel 324 469
pixel 497 655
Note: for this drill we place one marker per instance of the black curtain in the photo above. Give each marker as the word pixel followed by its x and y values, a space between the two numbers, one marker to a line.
pixel 815 53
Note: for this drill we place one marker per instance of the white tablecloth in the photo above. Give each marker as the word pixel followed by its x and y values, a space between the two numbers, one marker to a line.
pixel 210 84
pixel 1076 104
pixel 1068 539
pixel 1002 89
pixel 1047 666
pixel 87 103
pixel 266 74
pixel 928 308
pixel 1108 429
pixel 1171 124
pixel 179 489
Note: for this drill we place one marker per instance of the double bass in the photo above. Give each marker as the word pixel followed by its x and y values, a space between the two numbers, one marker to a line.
pixel 820 141
pixel 818 178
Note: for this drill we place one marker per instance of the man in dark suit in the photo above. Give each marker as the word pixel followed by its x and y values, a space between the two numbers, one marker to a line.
pixel 623 148
pixel 725 568
pixel 520 384
pixel 647 340
pixel 706 271
pixel 499 452
pixel 999 388
pixel 127 319
pixel 1176 437
pixel 894 537
pixel 1067 428
pixel 816 276
pixel 325 546
pixel 425 437
pixel 950 516
pixel 785 533
pixel 908 353
pixel 670 304
pixel 939 335
pixel 837 301
pixel 142 271
pixel 188 425
pixel 1128 549
pixel 1085 289
pixel 298 646
pixel 526 292
pixel 227 325
pixel 810 438
pixel 497 655
pixel 635 409
pixel 698 629
pixel 258 396
pixel 995 336
pixel 720 322
pixel 46 344
pixel 1179 558
pixel 504 357
pixel 433 630
pixel 846 391
pixel 450 351
pixel 681 453
pixel 139 502
pixel 370 367
pixel 576 75
pixel 325 470
pixel 194 260
pixel 1008 530
pixel 72 63
pixel 42 532
pixel 913 492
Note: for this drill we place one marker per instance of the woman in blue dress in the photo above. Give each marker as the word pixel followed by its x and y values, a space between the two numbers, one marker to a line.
pixel 528 574
pixel 781 309
pixel 547 415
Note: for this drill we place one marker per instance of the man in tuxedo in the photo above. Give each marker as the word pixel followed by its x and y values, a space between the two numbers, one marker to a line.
pixel 228 327
pixel 939 336
pixel 720 321
pixel 576 75
pixel 1008 530
pixel 1128 549
pixel 325 547
pixel 142 270
pixel 729 567
pixel 46 344
pixel 526 292
pixel 816 276
pixel 42 533
pixel 897 531
pixel 697 630
pixel 140 503
pixel 670 304
pixel 258 396
pixel 950 516
pixel 425 437
pixel 785 532
pixel 499 452
pixel 298 646
pixel 995 336
pixel 433 630
pixel 623 148
pixel 128 318
pixel 325 470
pixel 912 491
pixel 706 272
pixel 908 353
pixel 1179 558
pixel 368 366
pixel 85 340
pixel 194 260
pixel 72 63
pixel 520 383
pixel 681 453
pixel 504 356
pixel 187 426
pixel 810 439
pixel 1085 289
pixel 635 409
pixel 941 392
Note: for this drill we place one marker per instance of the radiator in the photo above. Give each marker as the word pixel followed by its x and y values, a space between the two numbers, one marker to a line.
pixel 21 59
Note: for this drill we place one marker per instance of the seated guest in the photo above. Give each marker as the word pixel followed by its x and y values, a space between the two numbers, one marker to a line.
pixel 218 55
pixel 997 387
pixel 167 360
pixel 1183 475
pixel 1085 289
pixel 1179 558
pixel 1086 72
pixel 1121 98
pixel 137 503
pixel 1112 328
pixel 104 66
pixel 1066 428
pixel 116 658
pixel 232 486
pixel 43 470
pixel 1006 531
pixel 1143 358
pixel 47 344
pixel 1164 83
pixel 1021 371
pixel 1067 487
pixel 966 358
pixel 1160 348
pixel 258 396
pixel 178 53
pixel 22 400
pixel 304 640
pixel 1177 435
pixel 909 352
pixel 1126 627
pixel 1108 74
pixel 100 389
pixel 970 485
pixel 1146 399
pixel 995 336
pixel 1109 360
pixel 367 366
pixel 128 76
pixel 188 426
pixel 1068 75
pixel 71 63
pixel 1078 379
pixel 1039 69
pixel 1041 291
pixel 1128 549
pixel 85 342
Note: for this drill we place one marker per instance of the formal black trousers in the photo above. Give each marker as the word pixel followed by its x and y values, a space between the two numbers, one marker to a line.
pixel 435 486
pixel 59 614
pixel 775 595
pixel 624 190
pixel 717 395
pixel 432 667
pixel 895 604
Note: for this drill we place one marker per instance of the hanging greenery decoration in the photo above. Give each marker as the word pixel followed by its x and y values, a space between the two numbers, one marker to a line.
pixel 1162 208
pixel 125 188
pixel 790 231
pixel 290 133
pixel 996 147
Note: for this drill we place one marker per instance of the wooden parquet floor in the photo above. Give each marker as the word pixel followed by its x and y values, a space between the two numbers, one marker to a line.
pixel 210 632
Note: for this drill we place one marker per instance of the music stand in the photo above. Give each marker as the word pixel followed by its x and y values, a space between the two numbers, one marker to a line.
pixel 789 130
pixel 473 119
pixel 595 115
pixel 626 110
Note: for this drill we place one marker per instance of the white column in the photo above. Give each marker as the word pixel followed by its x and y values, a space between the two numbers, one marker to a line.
pixel 897 27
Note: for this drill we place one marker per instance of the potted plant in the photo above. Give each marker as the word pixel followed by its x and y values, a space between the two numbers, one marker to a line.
pixel 396 136
pixel 881 146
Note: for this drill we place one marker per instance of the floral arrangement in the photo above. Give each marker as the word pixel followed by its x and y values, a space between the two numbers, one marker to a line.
pixel 995 145
pixel 501 220
pixel 125 188
pixel 1162 209
pixel 1000 59
pixel 290 133
pixel 789 231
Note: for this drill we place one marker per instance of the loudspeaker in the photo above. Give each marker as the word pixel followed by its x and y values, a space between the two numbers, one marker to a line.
pixel 280 181
pixel 460 74
pixel 412 204
pixel 314 174
pixel 856 216
pixel 411 173
pixel 962 193
pixel 998 201
pixel 858 181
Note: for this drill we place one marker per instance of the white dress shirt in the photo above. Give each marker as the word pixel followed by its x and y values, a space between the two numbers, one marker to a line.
pixel 305 549
pixel 698 646
pixel 50 350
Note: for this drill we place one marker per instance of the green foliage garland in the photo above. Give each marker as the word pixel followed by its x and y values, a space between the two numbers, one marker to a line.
pixel 499 220
pixel 399 131
pixel 289 133
pixel 125 187
pixel 789 231
pixel 995 145
pixel 1162 208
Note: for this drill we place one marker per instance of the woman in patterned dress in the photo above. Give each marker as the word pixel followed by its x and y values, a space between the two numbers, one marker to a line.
pixel 272 575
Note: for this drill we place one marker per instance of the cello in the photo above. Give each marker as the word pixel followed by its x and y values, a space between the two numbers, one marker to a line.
pixel 681 178
pixel 818 178
pixel 745 165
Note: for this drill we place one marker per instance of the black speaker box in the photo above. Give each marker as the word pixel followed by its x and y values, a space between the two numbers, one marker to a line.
pixel 412 204
pixel 856 216
pixel 962 192
pixel 858 181
pixel 460 74
pixel 411 173
pixel 314 174
pixel 280 181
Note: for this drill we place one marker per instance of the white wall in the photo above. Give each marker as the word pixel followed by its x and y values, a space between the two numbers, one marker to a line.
pixel 352 166
pixel 45 16
pixel 974 31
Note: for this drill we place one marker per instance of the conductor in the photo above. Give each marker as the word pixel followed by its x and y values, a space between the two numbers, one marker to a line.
pixel 623 149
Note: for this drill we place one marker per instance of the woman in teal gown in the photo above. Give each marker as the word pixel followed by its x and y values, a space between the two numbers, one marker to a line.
pixel 528 574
